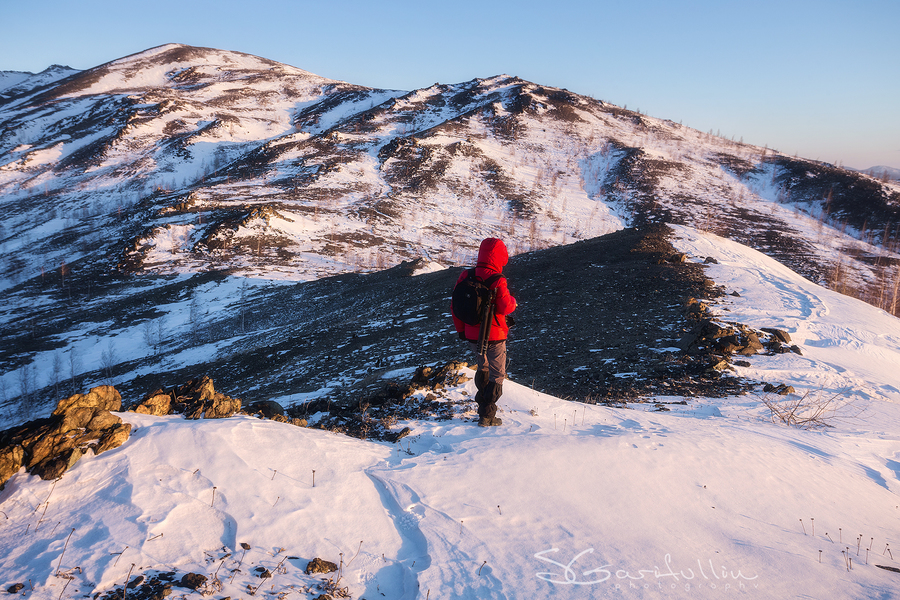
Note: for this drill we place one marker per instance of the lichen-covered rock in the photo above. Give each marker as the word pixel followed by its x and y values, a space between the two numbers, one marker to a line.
pixel 47 446
pixel 103 396
pixel 76 418
pixel 113 437
pixel 55 466
pixel 103 420
pixel 157 403
pixel 196 399
pixel 10 462
pixel 201 400
pixel 219 407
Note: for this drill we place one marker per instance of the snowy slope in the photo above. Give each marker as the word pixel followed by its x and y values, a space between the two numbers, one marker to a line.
pixel 710 499
pixel 13 83
pixel 196 158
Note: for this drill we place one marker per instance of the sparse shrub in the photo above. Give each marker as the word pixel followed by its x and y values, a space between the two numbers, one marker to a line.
pixel 812 410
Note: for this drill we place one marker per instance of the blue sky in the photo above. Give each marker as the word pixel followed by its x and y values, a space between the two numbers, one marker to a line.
pixel 819 79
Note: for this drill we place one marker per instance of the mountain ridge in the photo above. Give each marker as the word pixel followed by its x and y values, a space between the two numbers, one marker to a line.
pixel 178 166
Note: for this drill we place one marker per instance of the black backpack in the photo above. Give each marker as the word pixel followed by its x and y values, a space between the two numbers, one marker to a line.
pixel 470 296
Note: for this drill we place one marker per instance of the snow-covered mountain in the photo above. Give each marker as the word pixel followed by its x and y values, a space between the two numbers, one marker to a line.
pixel 173 196
pixel 15 83
pixel 191 158
pixel 883 172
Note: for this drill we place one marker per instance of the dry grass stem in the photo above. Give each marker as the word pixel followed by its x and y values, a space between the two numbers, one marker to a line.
pixel 812 410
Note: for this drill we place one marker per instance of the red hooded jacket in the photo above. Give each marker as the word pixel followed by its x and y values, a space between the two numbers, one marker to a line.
pixel 492 257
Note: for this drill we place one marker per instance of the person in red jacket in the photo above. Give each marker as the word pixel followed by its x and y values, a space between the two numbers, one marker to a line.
pixel 492 257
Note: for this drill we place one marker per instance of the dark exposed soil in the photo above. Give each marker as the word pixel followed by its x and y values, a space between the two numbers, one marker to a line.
pixel 597 322
pixel 597 313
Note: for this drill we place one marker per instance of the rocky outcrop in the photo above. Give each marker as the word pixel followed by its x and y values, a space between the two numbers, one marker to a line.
pixel 377 416
pixel 707 335
pixel 436 378
pixel 11 459
pixel 196 399
pixel 104 397
pixel 318 565
pixel 49 447
pixel 710 336
pixel 268 409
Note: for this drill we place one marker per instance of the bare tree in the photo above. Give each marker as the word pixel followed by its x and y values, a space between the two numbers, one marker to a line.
pixel 154 333
pixel 4 398
pixel 24 390
pixel 160 333
pixel 63 272
pixel 108 361
pixel 194 320
pixel 243 303
pixel 74 367
pixel 894 292
pixel 57 373
pixel 148 334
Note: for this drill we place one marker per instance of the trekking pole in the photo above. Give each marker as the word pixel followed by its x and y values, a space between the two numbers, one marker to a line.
pixel 487 320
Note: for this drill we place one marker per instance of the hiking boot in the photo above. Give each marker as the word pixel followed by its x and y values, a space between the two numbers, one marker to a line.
pixel 492 422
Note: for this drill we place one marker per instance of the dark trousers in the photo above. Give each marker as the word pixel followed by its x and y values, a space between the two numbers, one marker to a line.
pixel 489 378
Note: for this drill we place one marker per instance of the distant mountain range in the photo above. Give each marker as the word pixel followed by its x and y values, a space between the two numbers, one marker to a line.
pixel 13 83
pixel 882 172
pixel 197 163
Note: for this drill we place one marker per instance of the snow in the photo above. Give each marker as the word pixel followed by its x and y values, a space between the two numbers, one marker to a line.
pixel 571 501
pixel 16 82
pixel 848 347
pixel 711 499
pixel 429 266
pixel 10 78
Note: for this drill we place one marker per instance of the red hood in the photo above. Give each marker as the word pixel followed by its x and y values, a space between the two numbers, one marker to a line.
pixel 493 255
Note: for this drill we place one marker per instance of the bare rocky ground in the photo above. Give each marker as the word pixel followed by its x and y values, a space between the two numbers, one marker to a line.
pixel 615 320
pixel 598 321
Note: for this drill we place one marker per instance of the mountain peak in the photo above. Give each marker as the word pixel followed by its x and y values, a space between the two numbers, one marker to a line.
pixel 174 55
